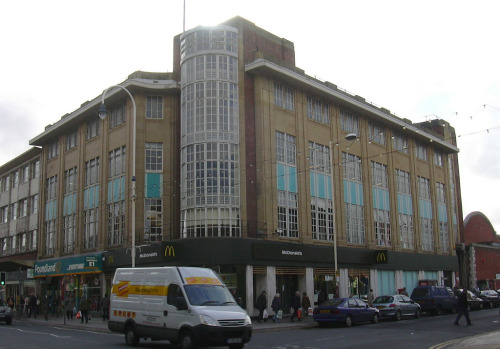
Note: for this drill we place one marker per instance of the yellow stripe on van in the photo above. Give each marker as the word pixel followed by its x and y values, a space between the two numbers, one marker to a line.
pixel 203 281
pixel 124 289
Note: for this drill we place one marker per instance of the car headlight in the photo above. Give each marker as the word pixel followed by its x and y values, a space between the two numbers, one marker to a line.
pixel 248 321
pixel 207 320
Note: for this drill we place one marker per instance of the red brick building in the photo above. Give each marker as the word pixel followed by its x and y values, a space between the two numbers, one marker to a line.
pixel 482 246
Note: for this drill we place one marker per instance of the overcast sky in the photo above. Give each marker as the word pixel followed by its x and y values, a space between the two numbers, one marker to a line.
pixel 419 59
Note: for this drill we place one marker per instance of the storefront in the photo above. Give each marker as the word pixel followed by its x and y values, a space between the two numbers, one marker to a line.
pixel 75 276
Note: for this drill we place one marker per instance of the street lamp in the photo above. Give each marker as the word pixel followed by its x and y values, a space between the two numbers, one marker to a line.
pixel 102 115
pixel 348 137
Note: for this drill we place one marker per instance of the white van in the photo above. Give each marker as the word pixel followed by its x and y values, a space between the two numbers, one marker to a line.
pixel 184 305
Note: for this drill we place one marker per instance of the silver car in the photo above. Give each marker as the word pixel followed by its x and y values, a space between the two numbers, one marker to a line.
pixel 396 306
pixel 5 312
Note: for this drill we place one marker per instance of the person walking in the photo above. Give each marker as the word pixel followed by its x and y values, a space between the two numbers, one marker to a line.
pixel 306 304
pixel 261 304
pixel 370 297
pixel 33 306
pixel 44 304
pixel 105 307
pixel 296 306
pixel 70 305
pixel 463 308
pixel 85 308
pixel 276 306
pixel 322 296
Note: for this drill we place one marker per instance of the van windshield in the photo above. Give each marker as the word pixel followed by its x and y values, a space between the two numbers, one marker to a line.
pixel 208 295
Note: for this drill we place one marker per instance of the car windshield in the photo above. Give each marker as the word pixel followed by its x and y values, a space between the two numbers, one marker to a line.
pixel 420 292
pixel 208 295
pixel 383 299
pixel 333 303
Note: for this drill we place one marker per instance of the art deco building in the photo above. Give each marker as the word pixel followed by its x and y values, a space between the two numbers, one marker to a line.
pixel 244 163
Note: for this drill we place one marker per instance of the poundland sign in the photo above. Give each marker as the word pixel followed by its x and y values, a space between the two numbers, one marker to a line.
pixel 68 266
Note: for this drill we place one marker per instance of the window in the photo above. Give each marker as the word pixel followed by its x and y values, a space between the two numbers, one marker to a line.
pixel 25 173
pixel 90 226
pixel 4 214
pixel 425 209
pixel 400 143
pixel 353 198
pixel 154 156
pixel 33 204
pixel 6 183
pixel 438 158
pixel 283 97
pixel 93 128
pixel 288 214
pixel 153 220
pixel 154 107
pixel 116 196
pixel 403 182
pixel 35 169
pixel 23 208
pixel 69 209
pixel 421 151
pixel 444 236
pixel 117 162
pixel 15 182
pixel 71 139
pixel 349 122
pixel 381 205
pixel 53 149
pixel 318 110
pixel 50 237
pixel 379 175
pixel 376 133
pixel 382 227
pixel 69 232
pixel 13 211
pixel 92 172
pixel 117 115
pixel 70 181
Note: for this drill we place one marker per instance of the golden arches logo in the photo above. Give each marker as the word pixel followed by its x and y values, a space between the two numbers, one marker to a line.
pixel 381 257
pixel 169 251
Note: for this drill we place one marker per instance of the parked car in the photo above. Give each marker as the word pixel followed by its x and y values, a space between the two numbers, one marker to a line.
pixel 346 311
pixel 5 312
pixel 397 306
pixel 435 299
pixel 491 298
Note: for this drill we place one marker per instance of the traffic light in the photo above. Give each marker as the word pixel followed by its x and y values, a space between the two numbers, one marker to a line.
pixel 2 279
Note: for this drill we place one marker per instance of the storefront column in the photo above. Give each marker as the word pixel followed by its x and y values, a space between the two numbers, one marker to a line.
pixel 343 283
pixel 398 279
pixel 440 278
pixel 270 286
pixel 421 275
pixel 249 289
pixel 374 281
pixel 309 283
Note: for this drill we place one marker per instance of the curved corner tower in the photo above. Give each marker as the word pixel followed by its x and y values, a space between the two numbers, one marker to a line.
pixel 210 189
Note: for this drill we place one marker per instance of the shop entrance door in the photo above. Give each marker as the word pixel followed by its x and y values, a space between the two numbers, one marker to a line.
pixel 286 285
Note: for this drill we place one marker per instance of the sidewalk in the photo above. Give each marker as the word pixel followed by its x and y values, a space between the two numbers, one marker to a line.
pixel 97 324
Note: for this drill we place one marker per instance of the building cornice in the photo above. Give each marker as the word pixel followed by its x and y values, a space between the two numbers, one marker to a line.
pixel 261 66
pixel 74 118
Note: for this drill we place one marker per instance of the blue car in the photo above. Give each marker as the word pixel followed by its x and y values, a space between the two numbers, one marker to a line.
pixel 346 311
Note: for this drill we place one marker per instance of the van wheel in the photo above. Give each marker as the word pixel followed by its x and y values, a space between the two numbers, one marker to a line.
pixel 131 337
pixel 187 340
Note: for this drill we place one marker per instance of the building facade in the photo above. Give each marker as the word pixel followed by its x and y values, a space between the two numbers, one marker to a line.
pixel 19 208
pixel 245 164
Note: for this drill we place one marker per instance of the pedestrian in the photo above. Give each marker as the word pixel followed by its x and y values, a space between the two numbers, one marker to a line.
pixel 44 304
pixel 276 306
pixel 105 307
pixel 261 304
pixel 370 297
pixel 33 305
pixel 404 292
pixel 463 308
pixel 306 304
pixel 70 304
pixel 322 296
pixel 27 305
pixel 296 306
pixel 84 308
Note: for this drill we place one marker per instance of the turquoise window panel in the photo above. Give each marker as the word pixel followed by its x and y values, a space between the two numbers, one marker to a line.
pixel 91 197
pixel 116 190
pixel 50 210
pixel 410 280
pixel 292 176
pixel 312 184
pixel 404 204
pixel 443 216
pixel 381 199
pixel 425 208
pixel 154 185
pixel 122 188
pixel 386 282
pixel 353 193
pixel 322 186
pixel 280 168
pixel 69 204
pixel 329 184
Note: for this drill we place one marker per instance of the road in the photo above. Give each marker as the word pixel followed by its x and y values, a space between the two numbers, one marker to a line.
pixel 426 332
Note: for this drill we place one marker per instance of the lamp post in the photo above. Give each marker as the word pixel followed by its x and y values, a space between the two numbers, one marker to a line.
pixel 102 115
pixel 348 137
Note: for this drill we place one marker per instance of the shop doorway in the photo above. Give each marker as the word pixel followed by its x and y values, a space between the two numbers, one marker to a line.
pixel 286 285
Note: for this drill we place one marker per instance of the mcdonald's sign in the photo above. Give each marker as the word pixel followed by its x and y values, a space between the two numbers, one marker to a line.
pixel 381 257
pixel 169 251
